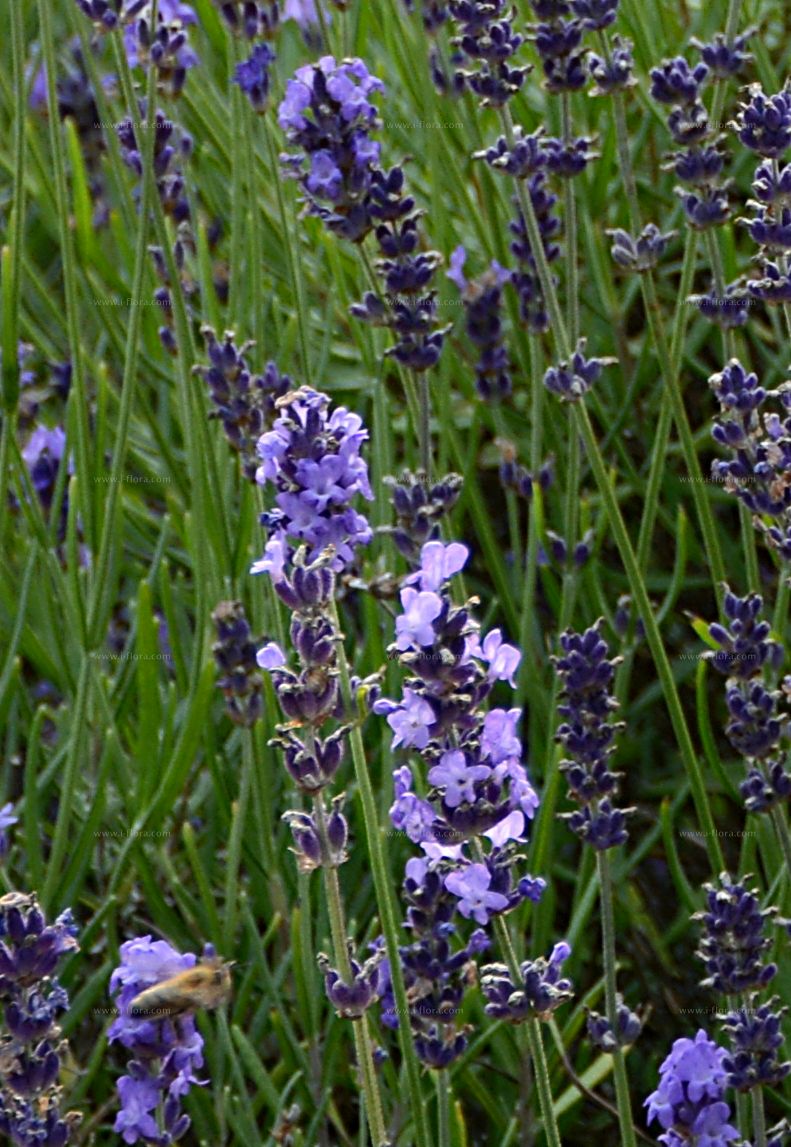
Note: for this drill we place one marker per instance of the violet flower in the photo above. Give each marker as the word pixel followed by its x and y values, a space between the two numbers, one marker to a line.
pixel 165 47
pixel 166 1052
pixel 31 1044
pixel 483 304
pixel 235 655
pixel 689 1102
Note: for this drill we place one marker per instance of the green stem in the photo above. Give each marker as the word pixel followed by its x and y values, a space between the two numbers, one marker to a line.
pixel 623 1100
pixel 424 436
pixel 78 396
pixel 103 584
pixel 332 891
pixel 385 899
pixel 759 1117
pixel 12 256
pixel 443 1109
pixel 643 605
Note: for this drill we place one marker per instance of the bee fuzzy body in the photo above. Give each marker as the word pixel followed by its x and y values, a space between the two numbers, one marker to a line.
pixel 207 985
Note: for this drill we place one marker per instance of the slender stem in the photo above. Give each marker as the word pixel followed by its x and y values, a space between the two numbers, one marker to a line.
pixel 623 1100
pixel 103 584
pixel 294 265
pixel 443 1108
pixel 570 222
pixel 78 396
pixel 759 1117
pixel 784 838
pixel 385 900
pixel 424 435
pixel 530 1039
pixel 12 256
pixel 332 890
pixel 664 670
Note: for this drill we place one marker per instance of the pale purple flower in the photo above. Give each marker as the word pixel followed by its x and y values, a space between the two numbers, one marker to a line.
pixel 511 827
pixel 503 659
pixel 471 886
pixel 457 777
pixel 271 656
pixel 438 563
pixel 7 819
pixel 456 272
pixel 408 812
pixel 139 1097
pixel 303 12
pixel 414 626
pixel 499 741
pixel 410 722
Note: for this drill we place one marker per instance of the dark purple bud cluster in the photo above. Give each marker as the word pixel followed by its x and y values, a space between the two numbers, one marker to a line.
pixel 532 306
pixel 165 47
pixel 595 15
pixel 516 477
pixel 252 76
pixel 171 145
pixel 558 42
pixel 763 125
pixel 483 305
pixel 250 18
pixel 487 42
pixel 587 735
pixel 43 455
pixel 419 507
pixel 76 101
pixel 184 255
pixel 571 380
pixel 756 1038
pixel 327 116
pixel 723 59
pixel 642 253
pixel 750 658
pixel 628 1026
pixel 698 166
pixel 245 404
pixel 319 845
pixel 351 998
pixel 434 13
pixel 31 1045
pixel 744 645
pixel 540 990
pixel 734 941
pixel 563 553
pixel 612 72
pixel 408 306
pixel 105 14
pixel 234 653
pixel 436 974
pixel 759 471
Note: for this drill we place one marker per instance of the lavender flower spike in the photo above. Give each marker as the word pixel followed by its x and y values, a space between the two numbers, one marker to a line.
pixel 689 1101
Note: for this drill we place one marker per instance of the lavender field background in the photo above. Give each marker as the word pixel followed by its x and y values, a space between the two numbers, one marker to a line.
pixel 395 453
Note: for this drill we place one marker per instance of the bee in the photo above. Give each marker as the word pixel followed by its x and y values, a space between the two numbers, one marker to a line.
pixel 207 985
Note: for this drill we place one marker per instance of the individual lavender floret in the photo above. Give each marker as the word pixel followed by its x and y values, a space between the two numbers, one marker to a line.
pixel 253 78
pixel 587 735
pixel 516 477
pixel 166 47
pixel 7 820
pixel 488 40
pixel 245 404
pixel 613 73
pixel 250 18
pixel 733 942
pixel 327 115
pixel 744 645
pixel 235 655
pixel 434 13
pixel 31 1047
pixel 763 123
pixel 171 144
pixel 312 458
pixel 643 253
pixel 706 207
pixel 166 1052
pixel 352 1000
pixel 573 379
pixel 725 59
pixel 419 508
pixel 689 1101
pixel 43 454
pixel 541 989
pixel 482 300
